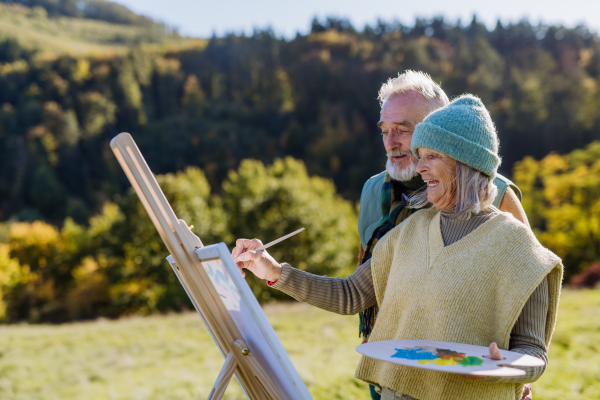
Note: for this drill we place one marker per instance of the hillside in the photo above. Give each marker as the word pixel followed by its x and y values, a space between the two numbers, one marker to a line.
pixel 102 10
pixel 221 101
pixel 34 30
pixel 237 97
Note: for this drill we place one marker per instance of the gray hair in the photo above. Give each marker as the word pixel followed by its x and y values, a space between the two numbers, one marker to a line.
pixel 475 191
pixel 414 81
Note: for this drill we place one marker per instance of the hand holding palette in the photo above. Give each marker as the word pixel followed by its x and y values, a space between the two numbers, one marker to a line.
pixel 454 358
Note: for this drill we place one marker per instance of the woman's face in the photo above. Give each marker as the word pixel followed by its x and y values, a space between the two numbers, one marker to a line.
pixel 439 173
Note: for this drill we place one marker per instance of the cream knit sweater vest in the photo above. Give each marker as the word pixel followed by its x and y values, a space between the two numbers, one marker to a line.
pixel 471 291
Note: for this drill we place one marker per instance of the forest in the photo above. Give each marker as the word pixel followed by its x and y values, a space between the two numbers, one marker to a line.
pixel 255 136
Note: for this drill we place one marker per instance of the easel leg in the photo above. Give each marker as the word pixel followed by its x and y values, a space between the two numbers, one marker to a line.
pixel 223 379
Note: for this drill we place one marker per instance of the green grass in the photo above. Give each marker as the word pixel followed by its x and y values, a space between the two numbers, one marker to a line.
pixel 574 369
pixel 33 30
pixel 166 357
pixel 173 356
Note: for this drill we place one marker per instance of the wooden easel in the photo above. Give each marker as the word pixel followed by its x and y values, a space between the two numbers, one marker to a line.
pixel 188 254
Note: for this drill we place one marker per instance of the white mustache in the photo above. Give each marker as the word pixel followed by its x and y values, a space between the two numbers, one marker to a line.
pixel 398 152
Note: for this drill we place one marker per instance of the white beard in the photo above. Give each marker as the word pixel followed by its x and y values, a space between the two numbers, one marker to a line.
pixel 396 172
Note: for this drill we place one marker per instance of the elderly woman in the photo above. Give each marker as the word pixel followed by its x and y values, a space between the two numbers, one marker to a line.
pixel 458 270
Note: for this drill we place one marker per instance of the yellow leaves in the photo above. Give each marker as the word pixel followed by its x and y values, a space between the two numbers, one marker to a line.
pixel 585 56
pixel 322 54
pixel 88 267
pixel 589 85
pixel 561 195
pixel 17 67
pixel 48 141
pixel 332 37
pixel 588 156
pixel 325 55
pixel 193 95
pixel 90 290
pixel 11 274
pixel 109 215
pixel 142 289
pixel 128 289
pixel 10 270
pixel 166 66
pixel 82 70
pixel 526 171
pixel 556 183
pixel 37 233
pixel 36 246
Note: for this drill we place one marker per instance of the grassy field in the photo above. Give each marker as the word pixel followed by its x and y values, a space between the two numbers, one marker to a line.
pixel 173 356
pixel 32 29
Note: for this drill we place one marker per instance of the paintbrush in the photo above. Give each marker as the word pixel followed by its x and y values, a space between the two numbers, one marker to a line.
pixel 266 246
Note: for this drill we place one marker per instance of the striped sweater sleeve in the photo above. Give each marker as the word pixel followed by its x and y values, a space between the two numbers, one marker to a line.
pixel 342 296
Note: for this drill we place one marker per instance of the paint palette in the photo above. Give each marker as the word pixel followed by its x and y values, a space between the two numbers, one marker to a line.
pixel 455 358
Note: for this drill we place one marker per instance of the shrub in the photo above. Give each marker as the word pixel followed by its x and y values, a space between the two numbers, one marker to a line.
pixel 589 278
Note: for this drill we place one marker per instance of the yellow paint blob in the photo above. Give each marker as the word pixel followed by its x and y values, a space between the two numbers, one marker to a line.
pixel 441 361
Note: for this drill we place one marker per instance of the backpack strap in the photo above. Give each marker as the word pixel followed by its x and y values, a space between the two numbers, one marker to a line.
pixel 503 183
pixel 370 208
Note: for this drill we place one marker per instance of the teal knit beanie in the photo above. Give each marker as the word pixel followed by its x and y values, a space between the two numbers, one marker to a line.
pixel 462 130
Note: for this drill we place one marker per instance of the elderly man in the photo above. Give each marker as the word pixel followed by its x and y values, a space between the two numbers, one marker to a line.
pixel 405 102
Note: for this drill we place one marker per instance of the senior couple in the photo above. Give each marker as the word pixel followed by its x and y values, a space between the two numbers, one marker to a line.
pixel 446 252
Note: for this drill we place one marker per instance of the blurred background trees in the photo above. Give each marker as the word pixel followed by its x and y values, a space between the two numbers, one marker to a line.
pixel 220 119
pixel 561 196
pixel 270 202
pixel 115 265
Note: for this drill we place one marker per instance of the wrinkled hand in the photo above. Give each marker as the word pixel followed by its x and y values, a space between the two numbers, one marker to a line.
pixel 494 355
pixel 259 262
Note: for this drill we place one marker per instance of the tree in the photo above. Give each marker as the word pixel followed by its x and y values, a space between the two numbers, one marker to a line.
pixel 116 264
pixel 10 275
pixel 269 202
pixel 124 240
pixel 561 196
pixel 113 267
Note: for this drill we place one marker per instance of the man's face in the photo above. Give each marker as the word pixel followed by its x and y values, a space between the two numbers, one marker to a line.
pixel 399 116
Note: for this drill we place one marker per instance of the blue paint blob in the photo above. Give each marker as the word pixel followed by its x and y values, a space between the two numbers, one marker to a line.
pixel 416 353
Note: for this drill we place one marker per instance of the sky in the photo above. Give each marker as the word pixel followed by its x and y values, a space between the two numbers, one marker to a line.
pixel 202 18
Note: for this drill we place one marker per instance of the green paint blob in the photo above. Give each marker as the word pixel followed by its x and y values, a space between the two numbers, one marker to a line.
pixel 471 361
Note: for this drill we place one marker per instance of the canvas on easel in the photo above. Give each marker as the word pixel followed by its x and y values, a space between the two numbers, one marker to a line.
pixel 221 296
